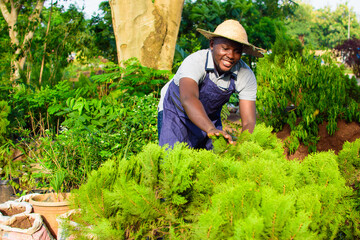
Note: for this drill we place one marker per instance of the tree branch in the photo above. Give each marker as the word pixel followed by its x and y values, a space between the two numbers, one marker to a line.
pixel 5 12
pixel 33 17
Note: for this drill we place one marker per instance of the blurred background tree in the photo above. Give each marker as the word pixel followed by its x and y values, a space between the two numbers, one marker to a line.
pixel 102 29
pixel 322 28
pixel 70 32
pixel 22 19
pixel 261 20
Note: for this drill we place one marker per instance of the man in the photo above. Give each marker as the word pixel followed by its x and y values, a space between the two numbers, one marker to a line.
pixel 191 103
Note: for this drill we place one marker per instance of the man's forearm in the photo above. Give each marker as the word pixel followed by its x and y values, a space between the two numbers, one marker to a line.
pixel 196 113
pixel 247 111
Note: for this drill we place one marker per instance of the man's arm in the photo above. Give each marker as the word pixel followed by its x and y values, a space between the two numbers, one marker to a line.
pixel 189 97
pixel 247 110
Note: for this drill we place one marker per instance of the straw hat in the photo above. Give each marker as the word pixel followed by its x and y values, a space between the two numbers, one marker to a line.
pixel 233 30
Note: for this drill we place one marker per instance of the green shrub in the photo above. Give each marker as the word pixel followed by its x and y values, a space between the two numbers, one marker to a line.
pixel 29 108
pixel 9 168
pixel 133 79
pixel 244 191
pixel 95 130
pixel 302 92
pixel 82 124
pixel 285 46
pixel 4 122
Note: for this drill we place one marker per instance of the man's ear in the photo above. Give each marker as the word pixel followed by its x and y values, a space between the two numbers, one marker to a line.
pixel 211 44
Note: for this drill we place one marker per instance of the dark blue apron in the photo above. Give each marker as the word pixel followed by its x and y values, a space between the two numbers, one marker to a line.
pixel 176 125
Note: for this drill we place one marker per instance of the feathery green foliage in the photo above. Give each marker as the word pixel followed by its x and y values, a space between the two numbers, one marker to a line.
pixel 349 165
pixel 243 191
pixel 349 161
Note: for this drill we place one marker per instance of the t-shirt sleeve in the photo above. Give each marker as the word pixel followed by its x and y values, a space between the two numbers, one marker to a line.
pixel 192 67
pixel 246 84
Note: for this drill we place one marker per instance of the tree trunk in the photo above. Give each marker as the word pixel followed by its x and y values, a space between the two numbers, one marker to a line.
pixel 10 10
pixel 147 30
pixel 46 35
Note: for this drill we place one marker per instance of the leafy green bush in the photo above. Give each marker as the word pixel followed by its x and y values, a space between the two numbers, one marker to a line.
pixel 133 78
pixel 244 191
pixel 285 46
pixel 4 122
pixel 302 92
pixel 29 108
pixel 95 130
pixel 81 124
pixel 9 168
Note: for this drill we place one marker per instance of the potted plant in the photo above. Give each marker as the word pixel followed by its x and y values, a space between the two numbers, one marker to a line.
pixel 51 205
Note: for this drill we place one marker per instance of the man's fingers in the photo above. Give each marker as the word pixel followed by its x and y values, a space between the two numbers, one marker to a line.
pixel 224 134
pixel 228 137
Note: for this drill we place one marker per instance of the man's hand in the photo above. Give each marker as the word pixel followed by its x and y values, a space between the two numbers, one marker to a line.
pixel 217 132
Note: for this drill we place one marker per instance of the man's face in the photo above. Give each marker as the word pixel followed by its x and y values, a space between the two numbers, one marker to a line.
pixel 226 53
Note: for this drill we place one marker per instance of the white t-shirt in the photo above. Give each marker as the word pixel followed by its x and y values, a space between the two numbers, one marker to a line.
pixel 196 65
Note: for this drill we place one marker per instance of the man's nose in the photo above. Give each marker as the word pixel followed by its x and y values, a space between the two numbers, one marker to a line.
pixel 230 53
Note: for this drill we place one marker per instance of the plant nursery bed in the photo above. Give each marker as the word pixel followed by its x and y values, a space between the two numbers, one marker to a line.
pixel 346 132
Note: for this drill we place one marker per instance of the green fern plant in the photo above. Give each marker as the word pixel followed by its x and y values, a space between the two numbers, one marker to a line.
pixel 247 191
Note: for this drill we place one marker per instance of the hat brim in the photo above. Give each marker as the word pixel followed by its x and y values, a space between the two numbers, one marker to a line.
pixel 248 48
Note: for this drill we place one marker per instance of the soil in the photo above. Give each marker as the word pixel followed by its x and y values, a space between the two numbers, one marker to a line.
pixel 23 222
pixel 12 211
pixel 51 197
pixel 346 132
